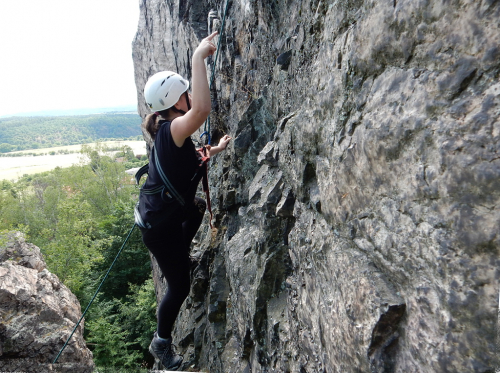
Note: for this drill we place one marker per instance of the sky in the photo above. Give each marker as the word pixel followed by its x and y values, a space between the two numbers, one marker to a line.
pixel 66 54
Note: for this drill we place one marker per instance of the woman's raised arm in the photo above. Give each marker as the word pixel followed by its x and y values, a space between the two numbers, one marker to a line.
pixel 184 126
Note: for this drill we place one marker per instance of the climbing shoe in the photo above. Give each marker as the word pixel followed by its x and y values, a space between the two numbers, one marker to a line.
pixel 162 350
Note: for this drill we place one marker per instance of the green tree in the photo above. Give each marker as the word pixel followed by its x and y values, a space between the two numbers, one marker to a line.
pixel 102 181
pixel 5 148
pixel 139 313
pixel 72 249
pixel 126 152
pixel 110 342
pixel 120 331
pixel 134 264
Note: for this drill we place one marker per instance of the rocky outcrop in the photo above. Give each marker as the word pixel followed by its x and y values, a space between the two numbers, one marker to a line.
pixel 357 207
pixel 38 314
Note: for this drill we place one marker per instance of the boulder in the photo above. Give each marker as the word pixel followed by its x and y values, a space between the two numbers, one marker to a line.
pixel 38 313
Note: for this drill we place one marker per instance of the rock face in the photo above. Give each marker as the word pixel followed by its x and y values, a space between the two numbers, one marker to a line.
pixel 357 206
pixel 38 314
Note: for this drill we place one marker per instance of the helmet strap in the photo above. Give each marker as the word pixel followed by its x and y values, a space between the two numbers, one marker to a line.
pixel 187 102
pixel 174 109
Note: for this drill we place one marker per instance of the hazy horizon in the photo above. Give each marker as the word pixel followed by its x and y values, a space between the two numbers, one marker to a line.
pixel 72 112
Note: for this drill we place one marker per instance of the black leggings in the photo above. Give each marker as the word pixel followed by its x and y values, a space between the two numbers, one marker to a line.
pixel 170 243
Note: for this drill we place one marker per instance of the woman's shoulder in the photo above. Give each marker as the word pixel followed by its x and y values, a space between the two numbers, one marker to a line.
pixel 164 124
pixel 163 133
pixel 164 136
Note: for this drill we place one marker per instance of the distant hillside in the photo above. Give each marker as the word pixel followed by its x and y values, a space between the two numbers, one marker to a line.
pixel 20 133
pixel 83 111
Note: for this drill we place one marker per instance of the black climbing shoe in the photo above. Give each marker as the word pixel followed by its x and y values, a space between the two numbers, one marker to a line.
pixel 164 353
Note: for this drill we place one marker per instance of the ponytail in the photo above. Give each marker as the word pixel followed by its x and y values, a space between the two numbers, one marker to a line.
pixel 151 122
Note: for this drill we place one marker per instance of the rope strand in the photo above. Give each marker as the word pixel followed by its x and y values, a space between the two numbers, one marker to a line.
pixel 95 295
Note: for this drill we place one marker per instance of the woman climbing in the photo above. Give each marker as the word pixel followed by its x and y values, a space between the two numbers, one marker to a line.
pixel 172 227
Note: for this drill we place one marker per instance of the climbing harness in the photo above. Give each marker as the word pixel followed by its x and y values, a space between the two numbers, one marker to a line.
pixel 147 219
pixel 95 295
pixel 206 128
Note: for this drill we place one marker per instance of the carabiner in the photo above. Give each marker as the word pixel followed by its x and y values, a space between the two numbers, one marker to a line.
pixel 208 137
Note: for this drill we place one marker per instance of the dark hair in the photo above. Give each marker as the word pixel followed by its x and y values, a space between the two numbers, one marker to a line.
pixel 151 122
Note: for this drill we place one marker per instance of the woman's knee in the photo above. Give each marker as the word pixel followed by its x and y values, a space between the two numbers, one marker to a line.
pixel 181 287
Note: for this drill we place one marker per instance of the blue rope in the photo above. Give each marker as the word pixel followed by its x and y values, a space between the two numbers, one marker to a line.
pixel 95 295
pixel 206 129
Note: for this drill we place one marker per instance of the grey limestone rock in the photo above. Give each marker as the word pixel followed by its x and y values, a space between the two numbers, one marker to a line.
pixel 357 206
pixel 37 313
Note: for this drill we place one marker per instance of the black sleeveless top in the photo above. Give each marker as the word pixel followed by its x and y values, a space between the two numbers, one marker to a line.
pixel 178 164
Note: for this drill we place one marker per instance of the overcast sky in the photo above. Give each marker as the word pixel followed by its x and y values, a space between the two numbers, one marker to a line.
pixel 66 54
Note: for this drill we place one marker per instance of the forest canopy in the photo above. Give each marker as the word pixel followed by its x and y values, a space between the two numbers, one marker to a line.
pixel 22 133
pixel 78 216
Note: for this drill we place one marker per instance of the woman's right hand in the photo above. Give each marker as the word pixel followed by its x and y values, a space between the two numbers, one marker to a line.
pixel 223 142
pixel 207 46
pixel 184 126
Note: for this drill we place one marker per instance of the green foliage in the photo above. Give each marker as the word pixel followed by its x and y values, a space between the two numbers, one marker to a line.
pixel 139 313
pixel 127 153
pixel 79 217
pixel 4 237
pixel 72 246
pixel 110 341
pixel 5 148
pixel 103 179
pixel 6 185
pixel 129 160
pixel 121 329
pixel 134 265
pixel 20 133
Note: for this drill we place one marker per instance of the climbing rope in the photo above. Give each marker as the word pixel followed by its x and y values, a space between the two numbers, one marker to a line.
pixel 95 295
pixel 206 128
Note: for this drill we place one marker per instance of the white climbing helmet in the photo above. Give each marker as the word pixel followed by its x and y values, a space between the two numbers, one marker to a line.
pixel 163 90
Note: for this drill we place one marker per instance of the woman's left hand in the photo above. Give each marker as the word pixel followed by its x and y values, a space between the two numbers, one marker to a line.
pixel 222 145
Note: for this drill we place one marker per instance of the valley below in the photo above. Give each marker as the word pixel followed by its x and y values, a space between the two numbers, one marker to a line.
pixel 13 168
